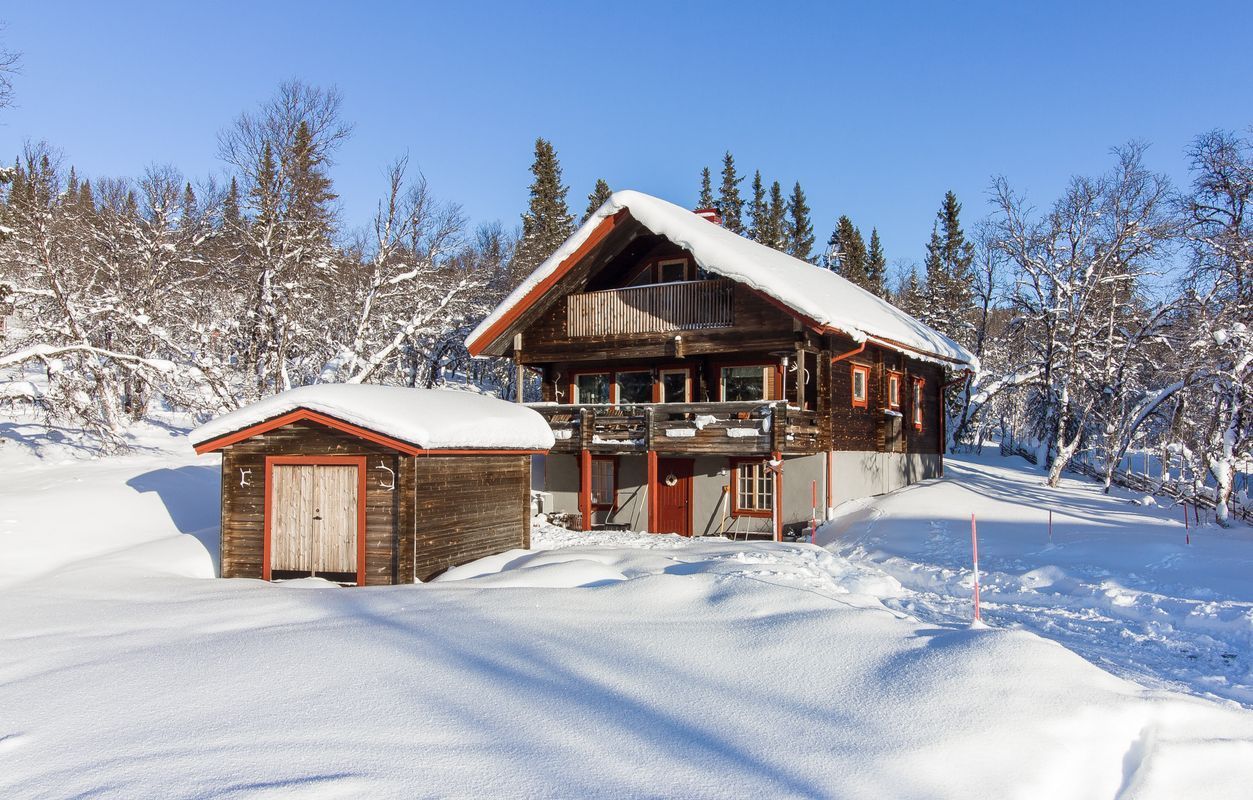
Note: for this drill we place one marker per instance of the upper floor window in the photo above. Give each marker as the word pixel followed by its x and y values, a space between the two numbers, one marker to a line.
pixel 894 390
pixel 675 385
pixel 672 270
pixel 747 383
pixel 861 386
pixel 918 396
pixel 591 387
pixel 635 386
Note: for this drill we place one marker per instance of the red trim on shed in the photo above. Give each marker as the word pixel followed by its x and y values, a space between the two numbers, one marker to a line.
pixel 304 414
pixel 358 461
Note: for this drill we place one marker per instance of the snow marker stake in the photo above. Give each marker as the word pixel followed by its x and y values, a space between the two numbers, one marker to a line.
pixel 974 546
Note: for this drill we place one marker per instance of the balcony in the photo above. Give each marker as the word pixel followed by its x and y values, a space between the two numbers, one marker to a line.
pixel 741 428
pixel 658 308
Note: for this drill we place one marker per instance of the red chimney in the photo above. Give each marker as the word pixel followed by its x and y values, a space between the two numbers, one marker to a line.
pixel 711 214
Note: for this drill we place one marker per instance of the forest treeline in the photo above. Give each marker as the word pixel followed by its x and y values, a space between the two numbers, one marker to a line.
pixel 1114 318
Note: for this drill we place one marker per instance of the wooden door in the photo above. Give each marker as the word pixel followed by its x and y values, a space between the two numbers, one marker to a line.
pixel 314 515
pixel 674 496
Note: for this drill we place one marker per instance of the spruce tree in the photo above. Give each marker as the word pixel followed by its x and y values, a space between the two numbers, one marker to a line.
pixel 876 265
pixel 847 253
pixel 757 210
pixel 230 207
pixel 547 222
pixel 799 231
pixel 706 199
pixel 729 201
pixel 310 187
pixel 776 217
pixel 949 281
pixel 597 198
pixel 188 210
pixel 909 298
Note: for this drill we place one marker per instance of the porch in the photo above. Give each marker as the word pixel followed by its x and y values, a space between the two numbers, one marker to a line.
pixel 742 428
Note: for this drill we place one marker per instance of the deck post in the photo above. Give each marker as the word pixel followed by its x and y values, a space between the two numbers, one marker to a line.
pixel 585 488
pixel 651 497
pixel 777 457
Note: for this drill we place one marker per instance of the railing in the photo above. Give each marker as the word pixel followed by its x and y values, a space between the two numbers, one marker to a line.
pixel 748 428
pixel 659 308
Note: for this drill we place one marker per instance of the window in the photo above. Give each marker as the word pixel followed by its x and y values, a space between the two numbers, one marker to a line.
pixel 635 387
pixel 604 472
pixel 747 383
pixel 672 271
pixel 591 387
pixel 861 386
pixel 894 390
pixel 918 382
pixel 676 386
pixel 752 489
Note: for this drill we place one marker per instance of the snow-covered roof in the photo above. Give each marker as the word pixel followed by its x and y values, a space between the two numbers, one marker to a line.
pixel 818 294
pixel 427 419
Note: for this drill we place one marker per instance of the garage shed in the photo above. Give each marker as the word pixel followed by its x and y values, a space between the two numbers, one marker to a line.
pixel 372 485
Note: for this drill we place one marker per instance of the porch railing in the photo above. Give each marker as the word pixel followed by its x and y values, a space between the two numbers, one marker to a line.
pixel 748 428
pixel 659 308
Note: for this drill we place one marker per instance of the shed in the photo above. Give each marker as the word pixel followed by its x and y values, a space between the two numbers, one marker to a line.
pixel 372 485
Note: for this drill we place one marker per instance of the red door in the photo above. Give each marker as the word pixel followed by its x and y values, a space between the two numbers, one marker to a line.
pixel 674 496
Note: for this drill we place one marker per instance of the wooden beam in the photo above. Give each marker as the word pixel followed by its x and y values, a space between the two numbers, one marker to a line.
pixel 585 488
pixel 652 491
pixel 777 457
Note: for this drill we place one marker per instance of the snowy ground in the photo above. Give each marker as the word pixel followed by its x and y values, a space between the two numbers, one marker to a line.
pixel 1117 582
pixel 614 665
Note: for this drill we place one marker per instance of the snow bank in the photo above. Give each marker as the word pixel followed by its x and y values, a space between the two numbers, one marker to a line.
pixel 428 418
pixel 817 293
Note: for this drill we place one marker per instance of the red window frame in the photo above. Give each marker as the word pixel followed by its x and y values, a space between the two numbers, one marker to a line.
pixel 613 479
pixel 854 371
pixel 918 399
pixel 736 510
pixel 896 378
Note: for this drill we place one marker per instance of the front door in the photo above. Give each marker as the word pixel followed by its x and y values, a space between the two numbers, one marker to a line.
pixel 674 496
pixel 313 521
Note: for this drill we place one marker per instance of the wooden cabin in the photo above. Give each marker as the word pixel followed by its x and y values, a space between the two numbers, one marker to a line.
pixel 372 485
pixel 699 383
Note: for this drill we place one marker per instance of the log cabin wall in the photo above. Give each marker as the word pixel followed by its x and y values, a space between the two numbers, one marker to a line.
pixel 460 516
pixel 243 498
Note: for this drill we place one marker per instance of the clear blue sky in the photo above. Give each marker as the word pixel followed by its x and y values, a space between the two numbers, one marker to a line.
pixel 876 108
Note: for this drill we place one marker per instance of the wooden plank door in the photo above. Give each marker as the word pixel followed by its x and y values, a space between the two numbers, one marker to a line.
pixel 674 496
pixel 314 513
pixel 335 519
pixel 291 527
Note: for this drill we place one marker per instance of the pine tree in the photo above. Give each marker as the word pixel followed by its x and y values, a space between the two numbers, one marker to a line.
pixel 876 265
pixel 729 201
pixel 597 198
pixel 847 253
pixel 799 231
pixel 547 222
pixel 188 210
pixel 758 212
pixel 909 298
pixel 231 216
pixel 949 286
pixel 310 187
pixel 264 192
pixel 776 217
pixel 706 199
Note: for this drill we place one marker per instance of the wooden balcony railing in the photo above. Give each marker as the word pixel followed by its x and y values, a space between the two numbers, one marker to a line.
pixel 663 307
pixel 741 428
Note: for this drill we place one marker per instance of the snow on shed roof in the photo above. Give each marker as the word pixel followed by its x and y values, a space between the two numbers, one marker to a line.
pixel 818 294
pixel 425 419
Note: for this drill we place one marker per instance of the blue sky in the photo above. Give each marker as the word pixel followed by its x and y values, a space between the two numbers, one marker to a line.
pixel 876 108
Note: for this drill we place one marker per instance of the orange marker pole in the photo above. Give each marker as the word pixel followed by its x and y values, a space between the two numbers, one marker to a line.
pixel 974 546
